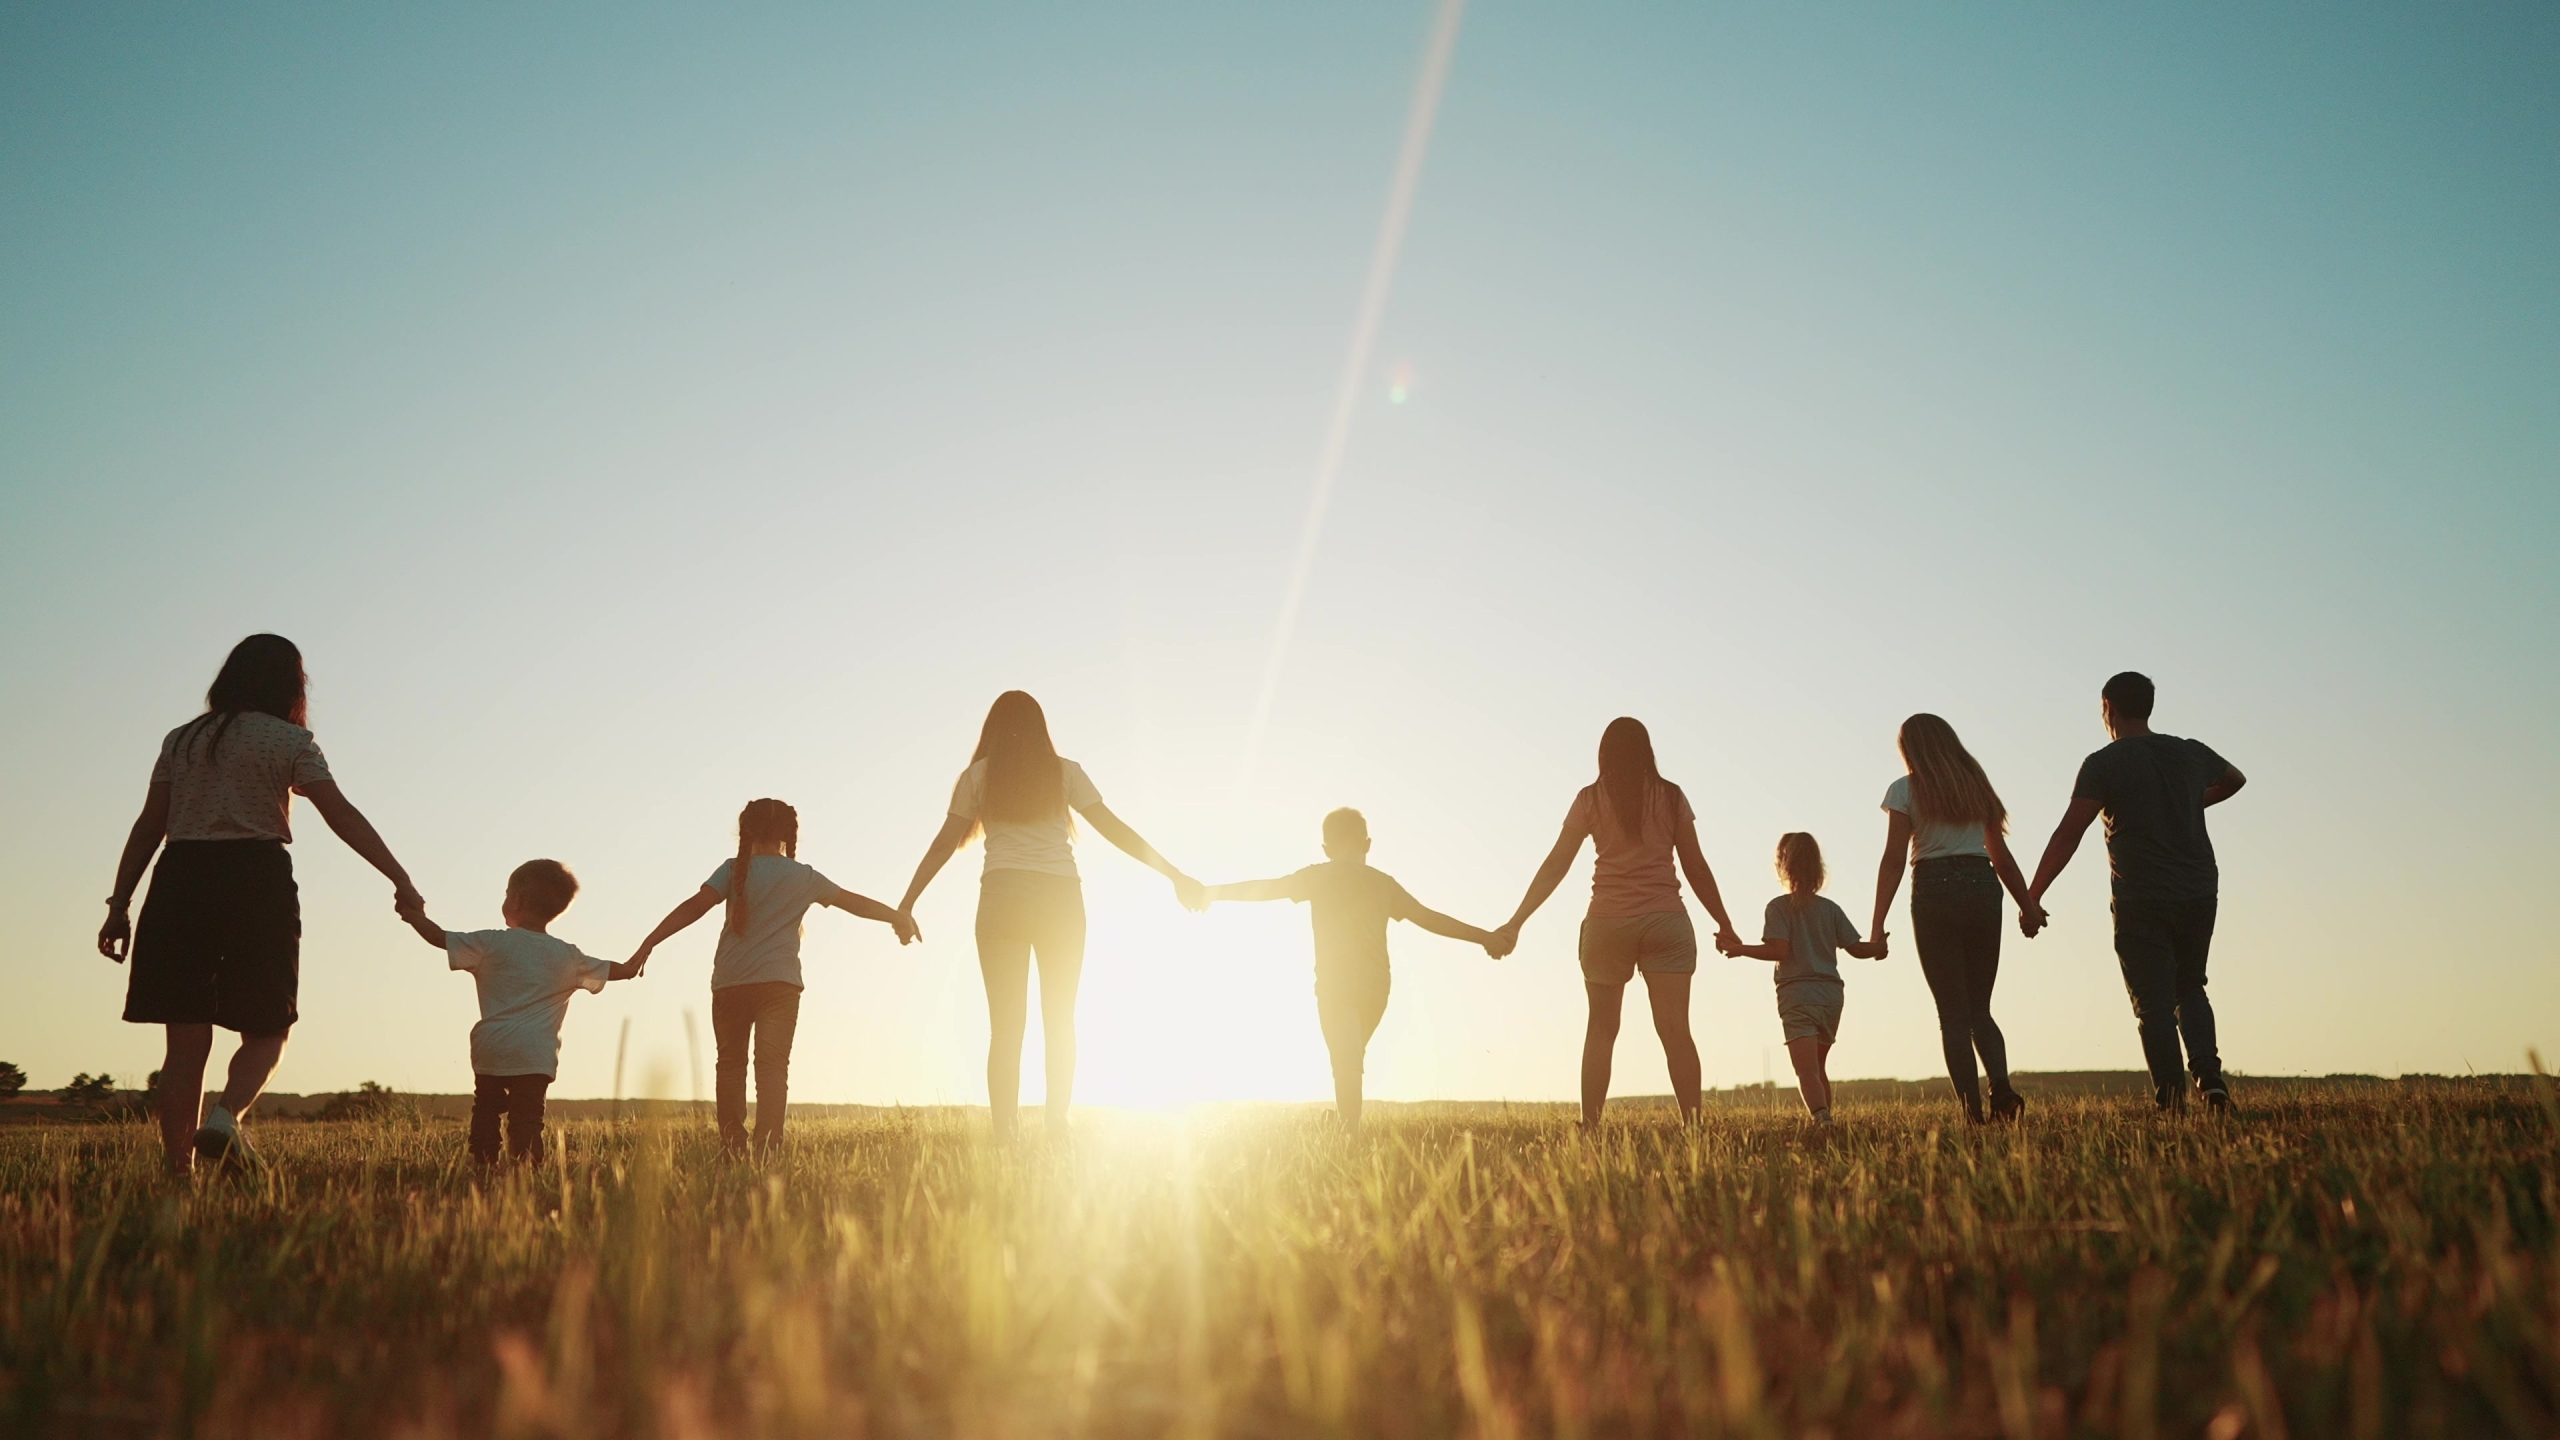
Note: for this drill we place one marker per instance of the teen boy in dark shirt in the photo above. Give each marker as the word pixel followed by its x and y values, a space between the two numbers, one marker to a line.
pixel 2154 790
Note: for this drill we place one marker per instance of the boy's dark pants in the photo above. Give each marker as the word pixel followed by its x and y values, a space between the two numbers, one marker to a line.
pixel 518 1100
pixel 2161 945
pixel 765 1014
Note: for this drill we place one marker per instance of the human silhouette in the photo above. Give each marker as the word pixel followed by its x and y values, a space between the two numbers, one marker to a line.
pixel 1803 933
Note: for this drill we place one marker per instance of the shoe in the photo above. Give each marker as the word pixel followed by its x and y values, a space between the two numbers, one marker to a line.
pixel 2008 1105
pixel 2217 1095
pixel 219 1141
pixel 2170 1099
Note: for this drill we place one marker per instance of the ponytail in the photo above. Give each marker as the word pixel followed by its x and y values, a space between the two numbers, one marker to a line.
pixel 762 821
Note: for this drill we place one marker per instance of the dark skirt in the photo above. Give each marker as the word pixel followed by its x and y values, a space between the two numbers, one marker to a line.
pixel 219 941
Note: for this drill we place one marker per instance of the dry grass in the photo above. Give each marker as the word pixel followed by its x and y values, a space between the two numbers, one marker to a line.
pixel 2360 1261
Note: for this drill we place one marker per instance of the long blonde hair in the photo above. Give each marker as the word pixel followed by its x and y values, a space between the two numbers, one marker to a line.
pixel 1025 780
pixel 1947 783
pixel 1800 865
pixel 761 822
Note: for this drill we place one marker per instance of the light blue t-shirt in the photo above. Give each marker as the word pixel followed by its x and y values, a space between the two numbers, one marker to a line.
pixel 1814 930
pixel 779 891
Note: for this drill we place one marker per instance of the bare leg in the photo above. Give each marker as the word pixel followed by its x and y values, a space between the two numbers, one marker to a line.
pixel 1599 1047
pixel 1061 970
pixel 181 1099
pixel 1670 996
pixel 1808 1053
pixel 1005 964
pixel 251 1065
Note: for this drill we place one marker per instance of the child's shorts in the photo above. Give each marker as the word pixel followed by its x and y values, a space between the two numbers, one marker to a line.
pixel 1615 947
pixel 1810 1009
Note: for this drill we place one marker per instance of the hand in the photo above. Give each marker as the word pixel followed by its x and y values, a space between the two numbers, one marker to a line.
pixel 407 903
pixel 1728 944
pixel 1499 943
pixel 2031 918
pixel 639 962
pixel 1883 945
pixel 905 925
pixel 115 935
pixel 1193 895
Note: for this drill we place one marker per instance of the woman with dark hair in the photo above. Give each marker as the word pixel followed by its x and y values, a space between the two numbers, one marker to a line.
pixel 1639 825
pixel 1022 795
pixel 220 938
pixel 1944 819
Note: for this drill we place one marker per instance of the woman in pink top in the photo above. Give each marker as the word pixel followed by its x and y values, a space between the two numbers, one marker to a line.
pixel 1638 823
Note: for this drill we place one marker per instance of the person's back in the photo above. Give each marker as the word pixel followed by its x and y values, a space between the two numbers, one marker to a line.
pixel 1349 903
pixel 1632 869
pixel 2151 789
pixel 780 891
pixel 233 777
pixel 524 979
pixel 1814 928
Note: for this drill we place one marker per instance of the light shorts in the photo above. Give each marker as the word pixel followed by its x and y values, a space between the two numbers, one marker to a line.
pixel 1615 947
pixel 1810 1009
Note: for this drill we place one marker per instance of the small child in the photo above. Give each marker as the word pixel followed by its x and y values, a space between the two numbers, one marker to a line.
pixel 1351 905
pixel 1801 931
pixel 755 971
pixel 525 976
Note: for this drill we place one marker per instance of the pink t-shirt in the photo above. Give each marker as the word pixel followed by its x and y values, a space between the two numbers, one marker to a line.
pixel 1632 877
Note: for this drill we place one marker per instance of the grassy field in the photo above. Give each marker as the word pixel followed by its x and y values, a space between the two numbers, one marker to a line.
pixel 2344 1260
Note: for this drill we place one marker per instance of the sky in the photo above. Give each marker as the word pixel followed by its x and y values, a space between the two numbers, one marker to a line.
pixel 635 410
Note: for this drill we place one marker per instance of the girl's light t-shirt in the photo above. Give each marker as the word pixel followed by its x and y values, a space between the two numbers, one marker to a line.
pixel 780 891
pixel 1047 847
pixel 1633 875
pixel 244 789
pixel 1934 839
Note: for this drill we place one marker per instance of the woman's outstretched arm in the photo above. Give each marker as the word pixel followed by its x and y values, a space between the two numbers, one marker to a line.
pixel 946 843
pixel 1116 830
pixel 694 907
pixel 2005 865
pixel 362 838
pixel 1279 889
pixel 1897 844
pixel 1701 879
pixel 1551 872
pixel 140 844
pixel 864 907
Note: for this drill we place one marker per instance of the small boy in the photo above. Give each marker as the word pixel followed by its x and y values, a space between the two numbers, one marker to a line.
pixel 525 976
pixel 1802 931
pixel 1351 905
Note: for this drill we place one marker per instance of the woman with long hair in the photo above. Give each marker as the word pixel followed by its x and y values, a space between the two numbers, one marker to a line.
pixel 1023 796
pixel 1639 825
pixel 1944 819
pixel 220 939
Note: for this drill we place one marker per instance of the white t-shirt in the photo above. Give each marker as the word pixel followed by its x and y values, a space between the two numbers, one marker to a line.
pixel 1046 846
pixel 525 979
pixel 780 891
pixel 1933 839
pixel 244 789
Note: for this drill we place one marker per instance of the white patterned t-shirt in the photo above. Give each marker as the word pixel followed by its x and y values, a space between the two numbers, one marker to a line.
pixel 243 787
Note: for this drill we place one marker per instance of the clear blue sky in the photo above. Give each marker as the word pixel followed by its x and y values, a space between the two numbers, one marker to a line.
pixel 633 411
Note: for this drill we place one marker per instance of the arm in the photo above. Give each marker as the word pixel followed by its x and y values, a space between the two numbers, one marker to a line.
pixel 1773 951
pixel 627 970
pixel 1701 879
pixel 1116 830
pixel 140 844
pixel 2004 865
pixel 1439 924
pixel 427 929
pixel 946 843
pixel 1550 874
pixel 358 832
pixel 694 908
pixel 2226 787
pixel 2058 850
pixel 866 908
pixel 1252 890
pixel 1865 949
pixel 1897 846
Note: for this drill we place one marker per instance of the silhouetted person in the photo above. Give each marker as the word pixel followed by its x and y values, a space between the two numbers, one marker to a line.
pixel 1638 824
pixel 1944 818
pixel 1030 900
pixel 220 941
pixel 756 980
pixel 2154 790
pixel 1803 933
pixel 1350 904
pixel 525 976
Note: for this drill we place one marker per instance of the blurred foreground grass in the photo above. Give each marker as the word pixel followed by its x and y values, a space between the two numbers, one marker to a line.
pixel 2359 1261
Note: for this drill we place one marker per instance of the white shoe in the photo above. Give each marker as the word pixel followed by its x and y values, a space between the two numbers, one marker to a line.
pixel 218 1139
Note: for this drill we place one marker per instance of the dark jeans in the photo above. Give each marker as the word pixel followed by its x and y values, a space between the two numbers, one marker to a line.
pixel 2161 945
pixel 1955 918
pixel 518 1100
pixel 766 1013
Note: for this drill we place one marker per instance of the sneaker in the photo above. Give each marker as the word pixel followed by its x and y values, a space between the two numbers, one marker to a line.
pixel 1822 1117
pixel 219 1141
pixel 2008 1105
pixel 2217 1094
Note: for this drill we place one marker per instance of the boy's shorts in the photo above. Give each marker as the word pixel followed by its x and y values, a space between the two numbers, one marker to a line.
pixel 1810 1010
pixel 1615 947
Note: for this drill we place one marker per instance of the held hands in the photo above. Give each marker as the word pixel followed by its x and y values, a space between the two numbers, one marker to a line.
pixel 1499 943
pixel 408 904
pixel 1193 895
pixel 1728 944
pixel 905 926
pixel 639 961
pixel 2031 918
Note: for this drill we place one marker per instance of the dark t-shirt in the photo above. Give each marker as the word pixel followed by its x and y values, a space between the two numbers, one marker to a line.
pixel 1350 905
pixel 2151 788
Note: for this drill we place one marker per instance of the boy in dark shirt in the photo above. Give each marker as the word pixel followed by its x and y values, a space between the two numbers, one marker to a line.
pixel 2154 790
pixel 1350 906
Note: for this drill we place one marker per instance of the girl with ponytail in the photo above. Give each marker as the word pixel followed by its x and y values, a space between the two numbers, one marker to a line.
pixel 1944 819
pixel 1022 795
pixel 756 982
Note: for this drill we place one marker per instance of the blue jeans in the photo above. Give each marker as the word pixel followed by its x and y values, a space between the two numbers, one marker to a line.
pixel 2161 945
